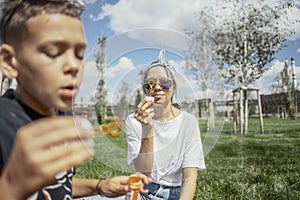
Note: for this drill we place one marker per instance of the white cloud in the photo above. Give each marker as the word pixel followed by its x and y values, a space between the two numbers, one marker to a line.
pixel 160 37
pixel 177 15
pixel 93 18
pixel 124 65
pixel 131 14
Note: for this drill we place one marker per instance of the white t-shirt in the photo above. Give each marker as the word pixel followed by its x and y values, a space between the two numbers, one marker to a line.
pixel 176 145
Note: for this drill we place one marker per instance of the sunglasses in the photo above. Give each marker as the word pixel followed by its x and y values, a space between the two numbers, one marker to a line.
pixel 164 83
pixel 78 5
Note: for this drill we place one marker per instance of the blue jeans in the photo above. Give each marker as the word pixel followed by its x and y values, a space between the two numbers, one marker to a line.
pixel 161 192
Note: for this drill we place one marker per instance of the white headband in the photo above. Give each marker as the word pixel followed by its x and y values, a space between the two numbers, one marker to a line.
pixel 161 61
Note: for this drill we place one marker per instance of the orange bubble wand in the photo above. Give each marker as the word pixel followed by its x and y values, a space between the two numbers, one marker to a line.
pixel 113 128
pixel 135 184
pixel 151 86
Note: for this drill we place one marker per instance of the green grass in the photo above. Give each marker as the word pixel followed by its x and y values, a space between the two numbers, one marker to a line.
pixel 252 166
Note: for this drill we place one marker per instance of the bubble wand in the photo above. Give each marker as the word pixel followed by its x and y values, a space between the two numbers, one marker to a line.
pixel 134 182
pixel 151 85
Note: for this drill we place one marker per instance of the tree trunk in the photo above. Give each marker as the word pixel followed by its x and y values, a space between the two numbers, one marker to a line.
pixel 260 113
pixel 246 112
pixel 234 112
pixel 211 116
pixel 241 112
pixel 207 114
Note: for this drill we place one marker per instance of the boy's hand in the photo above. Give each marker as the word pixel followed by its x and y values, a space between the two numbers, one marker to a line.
pixel 118 185
pixel 44 148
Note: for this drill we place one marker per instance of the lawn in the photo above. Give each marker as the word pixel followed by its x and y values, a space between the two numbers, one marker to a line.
pixel 252 166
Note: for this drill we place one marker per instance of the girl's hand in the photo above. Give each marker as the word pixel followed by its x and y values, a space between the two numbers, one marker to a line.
pixel 144 112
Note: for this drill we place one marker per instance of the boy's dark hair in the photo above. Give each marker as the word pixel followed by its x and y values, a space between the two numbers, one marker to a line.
pixel 15 13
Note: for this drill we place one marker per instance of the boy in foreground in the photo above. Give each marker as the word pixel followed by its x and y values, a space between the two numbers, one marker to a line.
pixel 42 47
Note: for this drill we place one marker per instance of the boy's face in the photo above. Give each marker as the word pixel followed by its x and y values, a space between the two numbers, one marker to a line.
pixel 50 62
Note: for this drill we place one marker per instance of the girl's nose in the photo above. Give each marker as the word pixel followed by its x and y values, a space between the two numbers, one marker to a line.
pixel 157 86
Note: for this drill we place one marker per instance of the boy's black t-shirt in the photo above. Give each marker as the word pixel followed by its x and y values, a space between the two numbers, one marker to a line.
pixel 13 115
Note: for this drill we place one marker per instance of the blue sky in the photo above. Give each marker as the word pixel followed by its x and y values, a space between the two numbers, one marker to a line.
pixel 136 29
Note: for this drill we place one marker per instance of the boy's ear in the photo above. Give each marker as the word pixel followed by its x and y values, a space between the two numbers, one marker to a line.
pixel 8 61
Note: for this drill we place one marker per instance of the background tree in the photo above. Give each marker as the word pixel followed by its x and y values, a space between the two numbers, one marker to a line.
pixel 139 94
pixel 281 83
pixel 246 38
pixel 200 66
pixel 123 103
pixel 100 95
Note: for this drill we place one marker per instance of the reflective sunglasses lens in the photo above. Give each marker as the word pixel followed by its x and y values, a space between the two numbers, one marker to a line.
pixel 165 87
pixel 165 84
pixel 146 86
